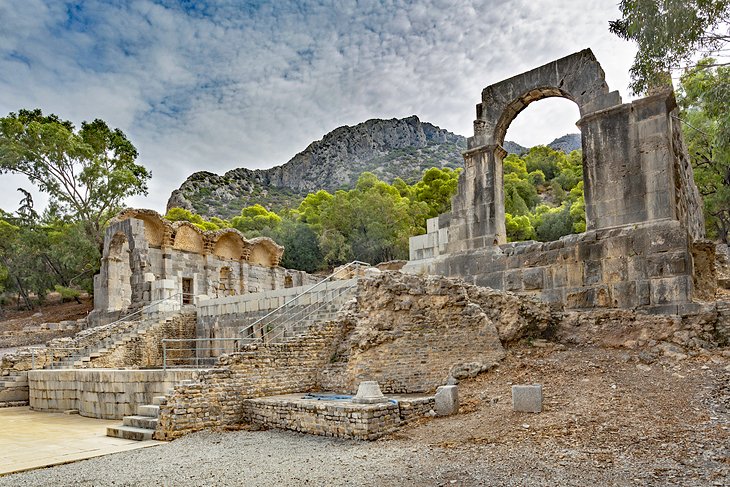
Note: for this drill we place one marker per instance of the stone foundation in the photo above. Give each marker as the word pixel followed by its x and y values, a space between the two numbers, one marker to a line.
pixel 100 393
pixel 341 419
pixel 647 266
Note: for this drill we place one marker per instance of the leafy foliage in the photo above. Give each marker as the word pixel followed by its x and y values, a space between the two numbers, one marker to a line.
pixel 543 195
pixel 180 214
pixel 87 173
pixel 669 33
pixel 253 219
pixel 704 98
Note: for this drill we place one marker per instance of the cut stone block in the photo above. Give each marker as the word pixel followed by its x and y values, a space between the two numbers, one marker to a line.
pixel 447 400
pixel 368 392
pixel 527 398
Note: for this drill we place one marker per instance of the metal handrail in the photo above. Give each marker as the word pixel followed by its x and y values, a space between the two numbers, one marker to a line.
pixel 280 329
pixel 196 349
pixel 108 326
pixel 328 278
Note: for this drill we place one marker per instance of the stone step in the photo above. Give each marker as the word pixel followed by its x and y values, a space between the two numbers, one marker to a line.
pixel 130 432
pixel 15 385
pixel 140 422
pixel 159 400
pixel 149 410
pixel 15 394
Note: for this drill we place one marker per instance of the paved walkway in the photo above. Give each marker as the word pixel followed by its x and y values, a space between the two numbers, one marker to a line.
pixel 29 439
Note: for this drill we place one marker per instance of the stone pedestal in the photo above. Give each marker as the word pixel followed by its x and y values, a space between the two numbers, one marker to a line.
pixel 368 392
pixel 447 400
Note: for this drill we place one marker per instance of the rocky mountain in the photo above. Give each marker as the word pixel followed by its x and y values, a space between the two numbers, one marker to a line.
pixel 567 143
pixel 389 148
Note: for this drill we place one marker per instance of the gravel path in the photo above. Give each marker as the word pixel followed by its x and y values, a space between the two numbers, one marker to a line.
pixel 284 458
pixel 611 417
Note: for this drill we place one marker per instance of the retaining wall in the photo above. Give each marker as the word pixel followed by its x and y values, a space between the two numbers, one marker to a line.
pixel 100 393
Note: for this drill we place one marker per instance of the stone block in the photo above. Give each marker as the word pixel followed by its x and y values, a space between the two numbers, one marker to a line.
pixel 447 400
pixel 533 278
pixel 527 398
pixel 670 290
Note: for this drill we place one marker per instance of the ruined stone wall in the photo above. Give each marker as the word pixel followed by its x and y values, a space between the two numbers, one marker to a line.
pixel 344 420
pixel 145 350
pixel 259 370
pixel 649 266
pixel 100 393
pixel 225 316
pixel 410 333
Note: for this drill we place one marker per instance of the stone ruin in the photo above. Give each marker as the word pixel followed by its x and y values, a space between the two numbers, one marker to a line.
pixel 410 332
pixel 643 246
pixel 147 258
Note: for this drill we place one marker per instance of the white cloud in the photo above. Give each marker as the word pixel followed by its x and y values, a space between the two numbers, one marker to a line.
pixel 221 86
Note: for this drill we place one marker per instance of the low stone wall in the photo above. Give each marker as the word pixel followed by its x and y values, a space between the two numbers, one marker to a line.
pixel 216 399
pixel 341 419
pixel 100 393
pixel 645 265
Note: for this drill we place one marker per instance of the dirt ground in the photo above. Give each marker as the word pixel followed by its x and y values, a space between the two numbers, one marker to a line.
pixel 611 417
pixel 604 410
pixel 51 312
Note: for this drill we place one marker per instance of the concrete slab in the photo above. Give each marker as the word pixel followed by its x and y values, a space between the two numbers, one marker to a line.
pixel 31 439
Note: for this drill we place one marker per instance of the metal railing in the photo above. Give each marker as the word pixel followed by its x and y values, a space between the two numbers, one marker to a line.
pixel 295 316
pixel 197 352
pixel 115 335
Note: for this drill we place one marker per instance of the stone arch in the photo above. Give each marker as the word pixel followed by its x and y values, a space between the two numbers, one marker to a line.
pixel 229 245
pixel 119 273
pixel 188 237
pixel 265 252
pixel 155 227
pixel 477 217
pixel 578 78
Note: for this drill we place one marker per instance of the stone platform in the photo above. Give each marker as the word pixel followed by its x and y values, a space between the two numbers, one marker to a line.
pixel 336 418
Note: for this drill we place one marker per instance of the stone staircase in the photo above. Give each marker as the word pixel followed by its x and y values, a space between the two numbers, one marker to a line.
pixel 14 389
pixel 141 426
pixel 82 358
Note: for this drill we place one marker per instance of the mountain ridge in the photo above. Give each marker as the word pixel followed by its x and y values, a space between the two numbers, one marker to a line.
pixel 389 148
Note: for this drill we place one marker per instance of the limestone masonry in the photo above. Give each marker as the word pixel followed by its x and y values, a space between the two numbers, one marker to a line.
pixel 643 211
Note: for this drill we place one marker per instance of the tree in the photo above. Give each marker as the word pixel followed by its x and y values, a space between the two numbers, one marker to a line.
pixel 254 219
pixel 86 173
pixel 180 214
pixel 704 98
pixel 435 188
pixel 669 33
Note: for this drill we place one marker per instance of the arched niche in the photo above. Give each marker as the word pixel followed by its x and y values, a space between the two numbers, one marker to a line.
pixel 229 245
pixel 154 230
pixel 188 238
pixel 265 252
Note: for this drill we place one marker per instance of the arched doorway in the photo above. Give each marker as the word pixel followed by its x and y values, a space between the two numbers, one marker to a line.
pixel 543 173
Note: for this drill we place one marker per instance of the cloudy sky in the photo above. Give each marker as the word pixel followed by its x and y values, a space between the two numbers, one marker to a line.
pixel 215 85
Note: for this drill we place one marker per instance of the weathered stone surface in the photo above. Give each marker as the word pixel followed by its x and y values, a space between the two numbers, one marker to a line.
pixel 643 210
pixel 368 392
pixel 147 258
pixel 527 398
pixel 447 400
